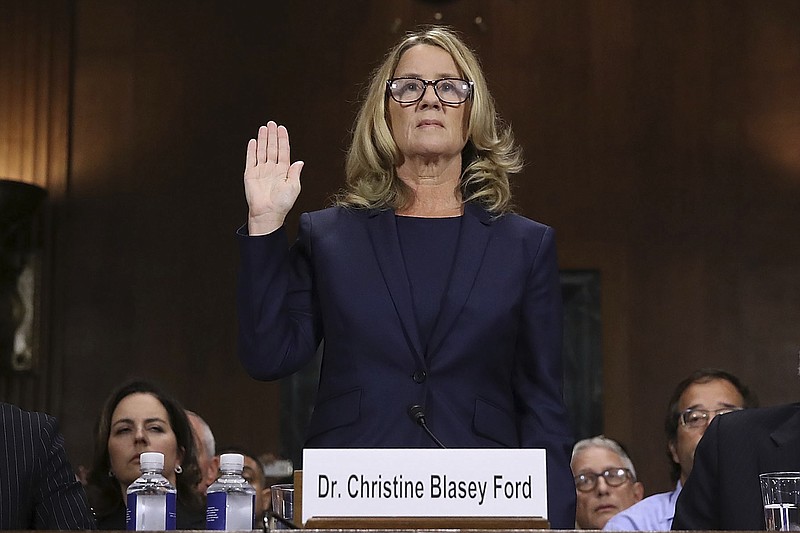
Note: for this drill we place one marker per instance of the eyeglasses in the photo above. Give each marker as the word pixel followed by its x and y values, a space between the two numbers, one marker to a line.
pixel 410 90
pixel 699 418
pixel 614 477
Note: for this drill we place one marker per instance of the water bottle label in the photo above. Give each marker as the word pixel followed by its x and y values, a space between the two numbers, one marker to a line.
pixel 229 511
pixel 151 512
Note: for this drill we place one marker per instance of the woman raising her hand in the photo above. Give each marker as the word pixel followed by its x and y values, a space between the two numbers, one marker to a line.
pixel 426 288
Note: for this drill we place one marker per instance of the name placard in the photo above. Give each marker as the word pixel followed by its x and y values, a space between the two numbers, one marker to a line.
pixel 424 482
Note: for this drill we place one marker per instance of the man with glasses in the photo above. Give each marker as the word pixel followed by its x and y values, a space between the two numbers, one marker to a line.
pixel 724 492
pixel 695 402
pixel 605 481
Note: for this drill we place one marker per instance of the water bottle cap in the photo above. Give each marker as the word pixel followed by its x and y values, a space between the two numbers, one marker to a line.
pixel 231 461
pixel 151 461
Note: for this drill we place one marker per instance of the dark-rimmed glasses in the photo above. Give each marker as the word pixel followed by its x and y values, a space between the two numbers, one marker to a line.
pixel 586 481
pixel 699 418
pixel 451 91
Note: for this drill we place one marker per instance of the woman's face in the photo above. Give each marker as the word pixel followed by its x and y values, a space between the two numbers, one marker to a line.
pixel 140 423
pixel 427 128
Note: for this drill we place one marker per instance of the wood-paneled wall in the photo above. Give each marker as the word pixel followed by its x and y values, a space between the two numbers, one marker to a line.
pixel 35 48
pixel 662 140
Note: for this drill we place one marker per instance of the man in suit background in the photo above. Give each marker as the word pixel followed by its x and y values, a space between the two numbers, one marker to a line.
pixel 38 488
pixel 723 490
pixel 696 401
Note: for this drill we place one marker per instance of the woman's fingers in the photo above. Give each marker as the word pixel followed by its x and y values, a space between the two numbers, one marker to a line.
pixel 263 140
pixel 283 147
pixel 250 158
pixel 294 172
pixel 270 147
pixel 272 142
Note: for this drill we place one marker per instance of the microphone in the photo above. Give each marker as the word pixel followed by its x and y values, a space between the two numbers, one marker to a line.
pixel 287 524
pixel 417 414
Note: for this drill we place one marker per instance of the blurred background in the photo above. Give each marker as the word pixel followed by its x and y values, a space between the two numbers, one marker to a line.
pixel 662 141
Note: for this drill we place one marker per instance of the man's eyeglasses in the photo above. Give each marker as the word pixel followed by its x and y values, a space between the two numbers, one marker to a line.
pixel 614 477
pixel 410 90
pixel 699 418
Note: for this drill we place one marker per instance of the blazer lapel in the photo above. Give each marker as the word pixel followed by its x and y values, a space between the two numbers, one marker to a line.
pixel 472 242
pixel 787 439
pixel 382 229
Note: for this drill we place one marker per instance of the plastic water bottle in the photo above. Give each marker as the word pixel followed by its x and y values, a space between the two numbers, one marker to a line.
pixel 151 498
pixel 230 499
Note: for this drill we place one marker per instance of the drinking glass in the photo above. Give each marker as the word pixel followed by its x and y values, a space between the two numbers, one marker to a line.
pixel 780 492
pixel 283 504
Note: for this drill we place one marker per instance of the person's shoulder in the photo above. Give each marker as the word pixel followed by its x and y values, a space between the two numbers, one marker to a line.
pixel 30 431
pixel 10 410
pixel 523 221
pixel 30 420
pixel 190 517
pixel 510 220
pixel 765 417
pixel 763 414
pixel 337 214
pixel 533 235
pixel 112 519
pixel 646 514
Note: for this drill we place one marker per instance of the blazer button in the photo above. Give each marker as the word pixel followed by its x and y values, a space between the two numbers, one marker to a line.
pixel 419 376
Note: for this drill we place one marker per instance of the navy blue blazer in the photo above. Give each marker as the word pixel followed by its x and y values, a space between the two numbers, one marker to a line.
pixel 38 488
pixel 491 374
pixel 723 490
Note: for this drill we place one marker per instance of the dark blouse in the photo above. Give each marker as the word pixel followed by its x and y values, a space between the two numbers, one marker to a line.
pixel 429 247
pixel 186 518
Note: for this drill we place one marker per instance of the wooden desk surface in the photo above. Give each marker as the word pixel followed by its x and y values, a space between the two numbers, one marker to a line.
pixel 427 523
pixel 407 530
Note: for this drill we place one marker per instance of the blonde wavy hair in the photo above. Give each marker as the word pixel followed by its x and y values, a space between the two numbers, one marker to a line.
pixel 488 157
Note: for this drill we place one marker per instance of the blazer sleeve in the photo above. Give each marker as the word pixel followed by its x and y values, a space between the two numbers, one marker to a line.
pixel 62 500
pixel 538 382
pixel 279 329
pixel 57 499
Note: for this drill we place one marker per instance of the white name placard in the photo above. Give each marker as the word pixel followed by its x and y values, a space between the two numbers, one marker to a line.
pixel 424 482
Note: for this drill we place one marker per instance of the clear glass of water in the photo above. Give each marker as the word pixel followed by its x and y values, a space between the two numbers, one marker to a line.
pixel 780 492
pixel 283 504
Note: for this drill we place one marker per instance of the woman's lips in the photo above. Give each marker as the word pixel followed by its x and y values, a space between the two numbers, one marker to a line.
pixel 425 123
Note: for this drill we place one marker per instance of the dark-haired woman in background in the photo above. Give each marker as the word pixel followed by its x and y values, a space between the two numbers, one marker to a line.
pixel 140 417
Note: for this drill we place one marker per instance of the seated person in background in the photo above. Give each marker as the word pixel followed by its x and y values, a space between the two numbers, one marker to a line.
pixel 139 417
pixel 206 453
pixel 723 491
pixel 605 481
pixel 694 403
pixel 38 489
pixel 276 470
pixel 253 472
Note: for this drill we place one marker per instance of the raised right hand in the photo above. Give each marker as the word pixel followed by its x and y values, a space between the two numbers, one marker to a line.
pixel 271 184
